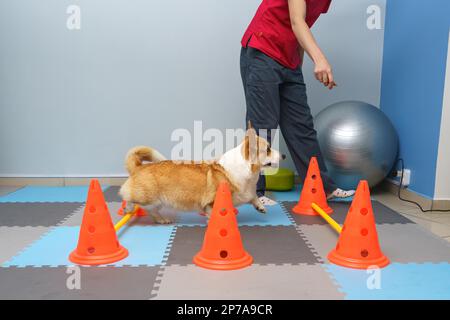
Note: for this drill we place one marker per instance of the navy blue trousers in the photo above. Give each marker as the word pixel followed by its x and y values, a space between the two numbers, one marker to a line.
pixel 276 96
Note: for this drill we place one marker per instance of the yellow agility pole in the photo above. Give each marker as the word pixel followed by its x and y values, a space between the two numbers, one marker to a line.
pixel 127 216
pixel 336 226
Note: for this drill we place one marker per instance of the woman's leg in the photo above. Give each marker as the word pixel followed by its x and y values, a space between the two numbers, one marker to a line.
pixel 296 124
pixel 261 79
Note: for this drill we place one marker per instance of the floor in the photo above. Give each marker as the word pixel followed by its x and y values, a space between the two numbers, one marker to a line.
pixel 39 227
pixel 437 222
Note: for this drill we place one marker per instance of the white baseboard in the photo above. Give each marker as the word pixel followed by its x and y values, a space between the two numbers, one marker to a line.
pixel 59 181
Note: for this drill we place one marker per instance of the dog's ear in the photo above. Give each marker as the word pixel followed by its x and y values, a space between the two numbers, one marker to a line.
pixel 250 130
pixel 250 148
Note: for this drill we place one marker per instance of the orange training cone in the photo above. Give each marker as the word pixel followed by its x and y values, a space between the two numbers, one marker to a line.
pixel 97 243
pixel 312 192
pixel 222 246
pixel 358 245
pixel 139 213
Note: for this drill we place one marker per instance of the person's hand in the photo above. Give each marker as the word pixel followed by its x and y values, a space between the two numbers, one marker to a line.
pixel 324 74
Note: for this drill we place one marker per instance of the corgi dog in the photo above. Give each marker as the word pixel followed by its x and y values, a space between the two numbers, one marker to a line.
pixel 191 186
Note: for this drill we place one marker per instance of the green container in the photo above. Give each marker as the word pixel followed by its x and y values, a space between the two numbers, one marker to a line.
pixel 280 179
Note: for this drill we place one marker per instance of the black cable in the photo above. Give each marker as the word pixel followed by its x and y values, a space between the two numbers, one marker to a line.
pixel 410 201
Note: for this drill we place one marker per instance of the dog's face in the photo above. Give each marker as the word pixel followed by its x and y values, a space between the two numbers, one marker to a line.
pixel 258 152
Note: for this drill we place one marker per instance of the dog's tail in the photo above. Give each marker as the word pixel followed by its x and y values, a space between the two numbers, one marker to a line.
pixel 137 155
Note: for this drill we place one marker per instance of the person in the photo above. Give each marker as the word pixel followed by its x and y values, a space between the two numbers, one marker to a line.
pixel 272 54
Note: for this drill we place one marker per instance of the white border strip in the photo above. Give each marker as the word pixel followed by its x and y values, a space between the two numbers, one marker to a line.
pixel 442 184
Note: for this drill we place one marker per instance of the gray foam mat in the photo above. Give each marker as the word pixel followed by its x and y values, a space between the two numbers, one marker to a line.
pixel 383 214
pixel 15 239
pixel 252 283
pixel 401 243
pixel 77 216
pixel 96 283
pixel 111 194
pixel 267 245
pixel 44 214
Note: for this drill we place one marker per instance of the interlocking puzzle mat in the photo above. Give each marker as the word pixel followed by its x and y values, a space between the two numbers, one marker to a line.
pixel 39 228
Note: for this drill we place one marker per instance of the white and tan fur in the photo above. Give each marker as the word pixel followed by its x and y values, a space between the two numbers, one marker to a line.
pixel 190 186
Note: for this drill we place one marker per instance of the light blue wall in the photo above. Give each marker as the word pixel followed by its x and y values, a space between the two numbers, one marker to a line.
pixel 413 76
pixel 73 102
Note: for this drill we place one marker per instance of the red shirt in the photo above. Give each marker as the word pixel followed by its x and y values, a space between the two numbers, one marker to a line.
pixel 270 30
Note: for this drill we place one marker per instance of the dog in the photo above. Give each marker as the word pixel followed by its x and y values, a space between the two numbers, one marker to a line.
pixel 191 186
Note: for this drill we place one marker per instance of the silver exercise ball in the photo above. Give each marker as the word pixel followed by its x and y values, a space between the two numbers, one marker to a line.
pixel 357 142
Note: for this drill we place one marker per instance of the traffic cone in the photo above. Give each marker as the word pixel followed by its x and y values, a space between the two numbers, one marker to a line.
pixel 358 245
pixel 222 246
pixel 139 213
pixel 312 192
pixel 97 242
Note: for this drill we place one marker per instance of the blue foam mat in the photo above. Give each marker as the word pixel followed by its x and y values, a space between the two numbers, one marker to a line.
pixel 48 194
pixel 294 195
pixel 146 245
pixel 397 281
pixel 248 216
pixel 79 194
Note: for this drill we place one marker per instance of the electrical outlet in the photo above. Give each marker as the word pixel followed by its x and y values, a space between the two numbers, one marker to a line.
pixel 396 176
pixel 406 177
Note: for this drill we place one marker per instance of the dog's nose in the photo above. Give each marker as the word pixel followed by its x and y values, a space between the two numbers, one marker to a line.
pixel 283 157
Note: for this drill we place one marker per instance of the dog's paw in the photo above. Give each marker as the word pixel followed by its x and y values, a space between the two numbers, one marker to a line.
pixel 261 209
pixel 258 205
pixel 163 220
